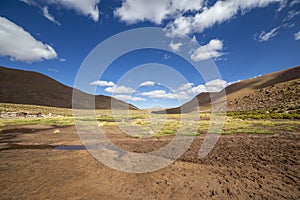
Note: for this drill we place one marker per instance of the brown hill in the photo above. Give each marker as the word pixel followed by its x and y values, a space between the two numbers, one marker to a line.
pixel 238 94
pixel 278 97
pixel 26 87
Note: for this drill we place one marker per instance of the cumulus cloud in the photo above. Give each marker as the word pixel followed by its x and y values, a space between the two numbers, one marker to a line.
pixel 103 83
pixel 183 92
pixel 185 5
pixel 179 93
pixel 20 45
pixel 266 36
pixel 111 87
pixel 175 46
pixel 220 12
pixel 215 85
pixel 182 95
pixel 147 83
pixel 181 26
pixel 159 94
pixel 133 11
pixel 297 36
pixel 188 90
pixel 211 86
pixel 47 15
pixel 197 90
pixel 185 86
pixel 82 7
pixel 211 50
pixel 119 90
pixel 123 97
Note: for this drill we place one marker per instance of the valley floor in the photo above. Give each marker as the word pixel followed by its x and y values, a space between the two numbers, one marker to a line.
pixel 241 166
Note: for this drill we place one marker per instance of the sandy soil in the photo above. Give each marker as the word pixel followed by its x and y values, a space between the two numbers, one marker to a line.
pixel 239 167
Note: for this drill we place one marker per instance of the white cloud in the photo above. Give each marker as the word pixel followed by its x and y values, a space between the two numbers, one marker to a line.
pixel 266 36
pixel 211 86
pixel 120 90
pixel 47 15
pixel 291 15
pixel 211 50
pixel 185 86
pixel 20 45
pixel 162 94
pixel 128 98
pixel 220 12
pixel 194 40
pixel 147 83
pixel 133 11
pixel 175 46
pixel 183 92
pixel 53 70
pixel 183 95
pixel 30 2
pixel 297 36
pixel 103 83
pixel 188 90
pixel 186 5
pixel 82 7
pixel 282 5
pixel 230 83
pixel 166 57
pixel 294 2
pixel 62 60
pixel 179 93
pixel 197 90
pixel 215 85
pixel 159 94
pixel 181 26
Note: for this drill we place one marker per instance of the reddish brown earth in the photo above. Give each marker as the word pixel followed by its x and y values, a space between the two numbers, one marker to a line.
pixel 239 167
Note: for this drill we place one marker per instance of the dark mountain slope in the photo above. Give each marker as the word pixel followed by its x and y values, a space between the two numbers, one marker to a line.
pixel 26 87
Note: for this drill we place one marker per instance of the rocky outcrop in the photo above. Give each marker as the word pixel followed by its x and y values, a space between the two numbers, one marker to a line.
pixel 279 97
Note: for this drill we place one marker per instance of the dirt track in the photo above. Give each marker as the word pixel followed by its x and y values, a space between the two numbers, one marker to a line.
pixel 239 167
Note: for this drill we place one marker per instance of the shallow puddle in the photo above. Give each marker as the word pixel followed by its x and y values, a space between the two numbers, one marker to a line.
pixel 10 146
pixel 70 147
pixel 120 152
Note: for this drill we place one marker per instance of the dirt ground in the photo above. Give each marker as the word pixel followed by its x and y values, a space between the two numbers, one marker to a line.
pixel 239 167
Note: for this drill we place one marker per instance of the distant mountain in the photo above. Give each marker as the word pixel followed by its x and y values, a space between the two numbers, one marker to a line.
pixel 279 89
pixel 26 87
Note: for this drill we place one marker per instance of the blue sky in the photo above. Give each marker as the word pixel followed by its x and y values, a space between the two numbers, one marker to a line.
pixel 244 39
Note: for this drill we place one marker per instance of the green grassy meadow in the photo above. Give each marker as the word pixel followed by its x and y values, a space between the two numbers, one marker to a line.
pixel 149 124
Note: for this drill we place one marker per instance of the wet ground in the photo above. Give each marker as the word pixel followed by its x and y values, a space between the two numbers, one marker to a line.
pixel 45 162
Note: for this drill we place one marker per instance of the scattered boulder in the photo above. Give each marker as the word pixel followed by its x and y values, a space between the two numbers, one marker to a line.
pixel 20 115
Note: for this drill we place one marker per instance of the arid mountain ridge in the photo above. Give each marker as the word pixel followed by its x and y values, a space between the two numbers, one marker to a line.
pixel 274 91
pixel 26 87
